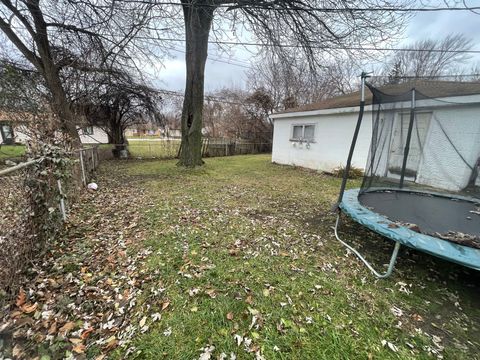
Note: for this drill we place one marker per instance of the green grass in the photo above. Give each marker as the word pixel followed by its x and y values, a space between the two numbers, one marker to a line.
pixel 154 149
pixel 255 239
pixel 11 151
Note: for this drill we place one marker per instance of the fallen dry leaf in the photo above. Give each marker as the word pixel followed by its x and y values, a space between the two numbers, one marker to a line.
pixel 112 342
pixel 53 329
pixel 211 293
pixel 230 316
pixel 79 348
pixel 165 305
pixel 65 329
pixel 86 333
pixel 21 298
pixel 29 308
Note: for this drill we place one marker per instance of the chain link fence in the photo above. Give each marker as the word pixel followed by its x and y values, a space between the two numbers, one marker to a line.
pixel 32 197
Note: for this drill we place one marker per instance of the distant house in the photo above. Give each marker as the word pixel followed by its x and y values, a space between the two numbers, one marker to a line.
pixel 318 136
pixel 15 131
pixel 92 135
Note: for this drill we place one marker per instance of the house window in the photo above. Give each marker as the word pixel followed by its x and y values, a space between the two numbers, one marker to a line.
pixel 7 133
pixel 303 133
pixel 88 130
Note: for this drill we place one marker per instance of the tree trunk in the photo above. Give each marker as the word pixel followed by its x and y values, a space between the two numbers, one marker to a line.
pixel 118 136
pixel 60 103
pixel 198 21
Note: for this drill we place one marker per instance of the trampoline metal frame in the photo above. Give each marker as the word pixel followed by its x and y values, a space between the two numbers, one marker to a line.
pixel 393 258
pixel 455 253
pixel 391 264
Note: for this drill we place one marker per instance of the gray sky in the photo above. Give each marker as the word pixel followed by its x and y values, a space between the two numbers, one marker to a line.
pixel 220 74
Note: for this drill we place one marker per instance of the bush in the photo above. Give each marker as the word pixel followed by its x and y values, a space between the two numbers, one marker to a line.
pixel 354 172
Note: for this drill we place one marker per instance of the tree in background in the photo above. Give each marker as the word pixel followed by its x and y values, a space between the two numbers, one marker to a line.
pixel 117 103
pixel 306 24
pixel 52 35
pixel 436 57
pixel 291 83
pixel 21 89
pixel 258 106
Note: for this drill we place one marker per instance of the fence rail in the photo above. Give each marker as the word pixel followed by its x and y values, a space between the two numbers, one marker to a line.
pixel 170 149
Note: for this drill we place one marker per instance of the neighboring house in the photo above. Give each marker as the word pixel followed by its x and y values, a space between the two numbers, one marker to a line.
pixel 155 132
pixel 92 135
pixel 16 132
pixel 318 136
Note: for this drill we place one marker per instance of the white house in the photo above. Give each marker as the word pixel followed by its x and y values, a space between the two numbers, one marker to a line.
pixel 92 135
pixel 13 132
pixel 318 136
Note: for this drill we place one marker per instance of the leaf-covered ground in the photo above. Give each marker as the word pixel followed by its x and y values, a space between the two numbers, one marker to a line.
pixel 236 260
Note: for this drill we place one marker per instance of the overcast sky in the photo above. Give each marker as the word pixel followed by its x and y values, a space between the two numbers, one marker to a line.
pixel 220 74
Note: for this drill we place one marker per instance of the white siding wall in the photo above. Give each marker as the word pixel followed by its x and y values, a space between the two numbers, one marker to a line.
pixel 21 134
pixel 441 166
pixel 333 136
pixel 98 137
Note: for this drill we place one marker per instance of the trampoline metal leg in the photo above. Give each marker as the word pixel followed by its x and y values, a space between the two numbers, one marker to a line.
pixel 393 259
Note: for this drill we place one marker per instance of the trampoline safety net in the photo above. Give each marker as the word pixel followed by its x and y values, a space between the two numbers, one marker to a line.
pixel 423 143
pixel 424 159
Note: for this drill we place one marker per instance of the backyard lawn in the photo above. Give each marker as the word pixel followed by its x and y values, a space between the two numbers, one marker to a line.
pixel 161 149
pixel 11 151
pixel 236 260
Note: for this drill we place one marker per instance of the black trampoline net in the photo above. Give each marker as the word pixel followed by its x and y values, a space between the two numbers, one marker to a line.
pixel 424 143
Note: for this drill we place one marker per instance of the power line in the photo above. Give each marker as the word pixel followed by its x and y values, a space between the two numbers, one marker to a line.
pixel 217 59
pixel 279 7
pixel 207 97
pixel 328 47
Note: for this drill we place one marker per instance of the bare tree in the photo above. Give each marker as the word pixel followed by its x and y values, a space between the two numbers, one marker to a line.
pixel 52 35
pixel 314 27
pixel 429 58
pixel 117 101
pixel 290 82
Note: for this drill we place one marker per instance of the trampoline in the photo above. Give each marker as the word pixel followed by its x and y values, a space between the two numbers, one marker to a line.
pixel 421 185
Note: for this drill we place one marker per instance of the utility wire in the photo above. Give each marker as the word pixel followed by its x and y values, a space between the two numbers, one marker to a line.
pixel 207 97
pixel 278 7
pixel 218 59
pixel 328 47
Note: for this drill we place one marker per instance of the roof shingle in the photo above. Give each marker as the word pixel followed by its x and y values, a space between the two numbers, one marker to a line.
pixel 434 89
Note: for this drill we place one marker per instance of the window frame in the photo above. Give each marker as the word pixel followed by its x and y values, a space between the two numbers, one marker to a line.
pixel 88 130
pixel 11 138
pixel 302 139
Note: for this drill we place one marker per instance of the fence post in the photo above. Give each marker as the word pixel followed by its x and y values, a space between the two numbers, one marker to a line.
pixel 84 179
pixel 93 159
pixel 62 200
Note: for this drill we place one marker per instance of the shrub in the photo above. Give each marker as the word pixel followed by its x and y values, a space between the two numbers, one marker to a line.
pixel 354 172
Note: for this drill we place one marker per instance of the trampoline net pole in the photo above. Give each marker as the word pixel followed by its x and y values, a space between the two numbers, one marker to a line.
pixel 352 146
pixel 409 139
